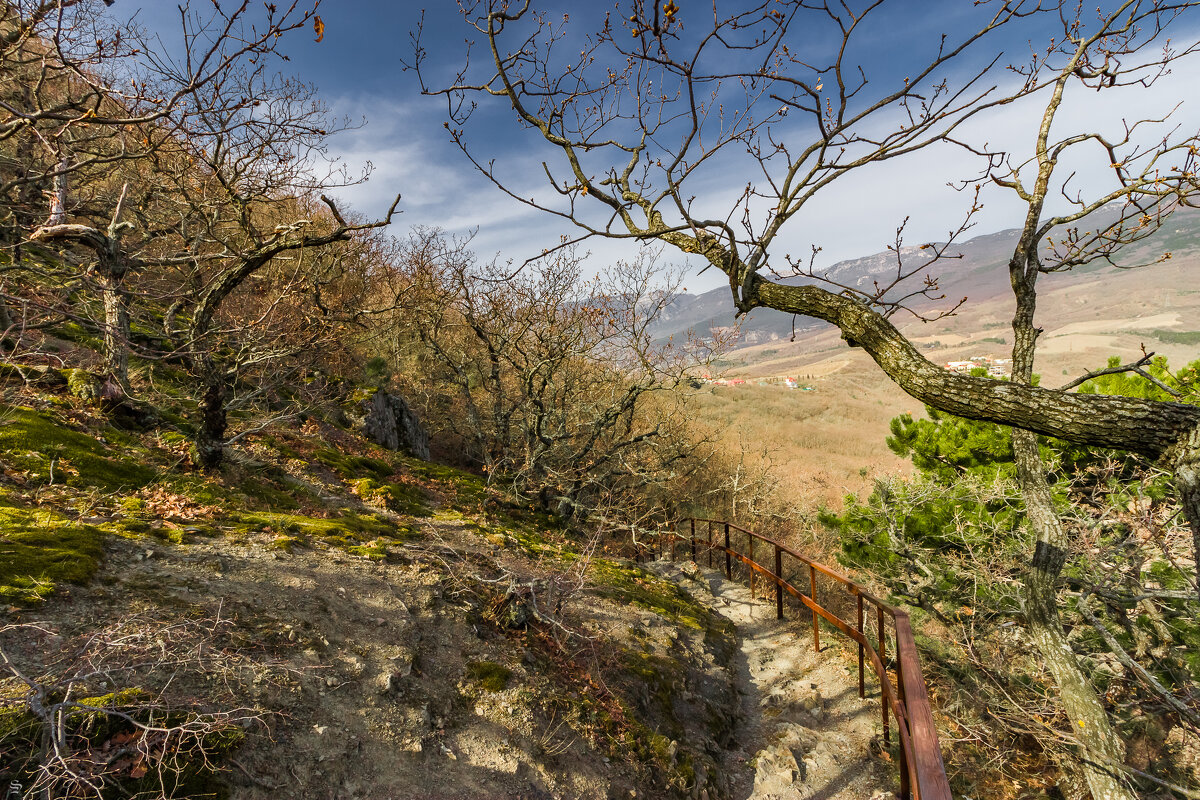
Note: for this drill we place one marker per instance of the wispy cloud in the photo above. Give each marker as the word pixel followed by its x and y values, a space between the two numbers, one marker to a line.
pixel 855 216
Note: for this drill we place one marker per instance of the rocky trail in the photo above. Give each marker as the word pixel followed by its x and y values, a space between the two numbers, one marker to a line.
pixel 805 733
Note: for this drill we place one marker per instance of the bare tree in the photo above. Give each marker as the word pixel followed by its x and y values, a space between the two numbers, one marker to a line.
pixel 224 165
pixel 635 123
pixel 558 384
pixel 90 101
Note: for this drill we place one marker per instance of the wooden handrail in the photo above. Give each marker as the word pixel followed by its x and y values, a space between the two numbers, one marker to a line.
pixel 922 773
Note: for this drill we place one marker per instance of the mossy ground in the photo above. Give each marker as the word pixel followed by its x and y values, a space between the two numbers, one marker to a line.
pixel 490 676
pixel 400 498
pixel 630 708
pixel 40 549
pixel 63 461
pixel 630 584
pixel 44 450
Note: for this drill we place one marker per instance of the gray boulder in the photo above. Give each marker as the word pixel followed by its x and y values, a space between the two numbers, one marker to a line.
pixel 390 423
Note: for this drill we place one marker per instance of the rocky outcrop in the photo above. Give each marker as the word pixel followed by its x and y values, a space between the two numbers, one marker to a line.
pixel 390 423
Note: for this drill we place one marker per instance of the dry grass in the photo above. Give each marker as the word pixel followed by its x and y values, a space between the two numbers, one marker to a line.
pixel 822 444
pixel 828 442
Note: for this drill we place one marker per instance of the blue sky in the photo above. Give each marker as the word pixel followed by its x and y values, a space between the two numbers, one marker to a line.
pixel 358 69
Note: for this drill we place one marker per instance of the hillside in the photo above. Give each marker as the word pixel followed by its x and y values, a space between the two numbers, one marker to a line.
pixel 829 441
pixel 333 617
pixel 330 617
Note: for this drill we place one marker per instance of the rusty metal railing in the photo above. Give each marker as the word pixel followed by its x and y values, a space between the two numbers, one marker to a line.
pixel 922 773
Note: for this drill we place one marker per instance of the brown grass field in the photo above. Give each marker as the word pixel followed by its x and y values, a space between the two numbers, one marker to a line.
pixel 830 441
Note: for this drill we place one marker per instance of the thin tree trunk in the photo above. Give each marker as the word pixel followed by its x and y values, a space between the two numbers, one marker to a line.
pixel 116 329
pixel 1186 463
pixel 5 319
pixel 1102 750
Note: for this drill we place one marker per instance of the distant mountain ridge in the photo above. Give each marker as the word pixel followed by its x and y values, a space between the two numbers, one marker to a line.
pixel 977 272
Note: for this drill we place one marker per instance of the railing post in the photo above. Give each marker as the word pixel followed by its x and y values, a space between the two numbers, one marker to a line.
pixel 778 583
pixel 812 593
pixel 728 557
pixel 710 543
pixel 883 677
pixel 862 684
pixel 671 540
pixel 750 566
pixel 905 783
pixel 693 539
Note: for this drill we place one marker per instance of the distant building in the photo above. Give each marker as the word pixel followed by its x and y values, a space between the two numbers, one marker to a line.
pixel 996 367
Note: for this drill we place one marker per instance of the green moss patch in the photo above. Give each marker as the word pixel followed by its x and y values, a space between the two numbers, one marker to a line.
pixel 40 549
pixel 489 675
pixel 268 494
pixel 373 550
pixel 287 543
pixel 399 498
pixel 363 535
pixel 74 332
pixel 33 443
pixel 626 583
pixel 354 467
pixel 464 487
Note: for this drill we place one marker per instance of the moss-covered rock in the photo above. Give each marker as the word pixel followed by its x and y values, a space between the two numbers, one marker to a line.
pixel 83 384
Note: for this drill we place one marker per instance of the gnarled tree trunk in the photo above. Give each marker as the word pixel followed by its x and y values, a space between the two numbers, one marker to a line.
pixel 213 423
pixel 1103 751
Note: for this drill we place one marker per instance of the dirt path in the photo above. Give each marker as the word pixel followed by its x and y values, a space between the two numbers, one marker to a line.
pixel 805 734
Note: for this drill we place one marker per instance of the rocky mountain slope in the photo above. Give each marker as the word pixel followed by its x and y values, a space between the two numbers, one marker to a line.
pixel 329 618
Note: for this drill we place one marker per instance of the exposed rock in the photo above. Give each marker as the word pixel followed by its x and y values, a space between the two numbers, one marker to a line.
pixel 83 384
pixel 776 772
pixel 392 424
